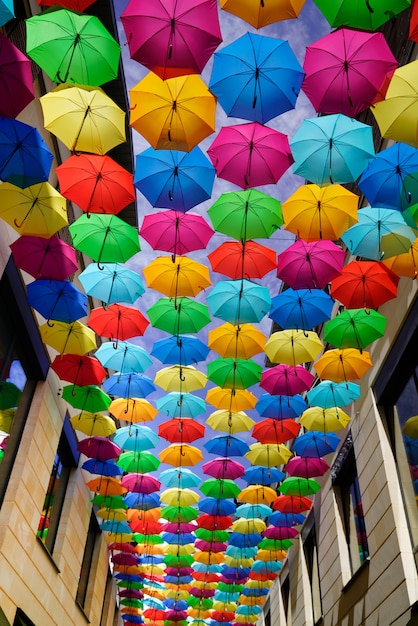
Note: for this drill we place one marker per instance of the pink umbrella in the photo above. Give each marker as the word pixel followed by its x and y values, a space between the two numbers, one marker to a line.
pixel 223 468
pixel 201 593
pixel 99 448
pixel 140 483
pixel 131 593
pixel 250 155
pixel 310 265
pixel 16 83
pixel 210 546
pixel 306 467
pixel 176 232
pixel 125 559
pixel 50 259
pixel 286 380
pixel 181 527
pixel 347 71
pixel 280 532
pixel 174 37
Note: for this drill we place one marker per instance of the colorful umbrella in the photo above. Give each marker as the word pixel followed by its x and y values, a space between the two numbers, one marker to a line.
pixel 315 444
pixel 343 365
pixel 181 430
pixel 367 284
pixel 239 301
pixel 223 468
pixel 183 379
pixel 179 497
pixel 57 300
pixel 45 258
pixel 135 437
pixel 219 488
pixel 16 82
pixel 242 259
pixel 172 39
pixel 9 395
pixel 231 399
pixel 324 420
pixel 360 15
pixel 6 12
pixel 172 114
pixel 347 71
pixel 178 315
pixel 181 276
pixel 301 308
pixel 79 370
pixel 138 462
pixel 89 398
pixel 405 264
pixel 306 467
pixel 129 385
pixel 355 328
pixel 179 477
pixel 234 373
pixel 332 149
pixel 74 338
pixel 286 380
pixel 259 475
pixel 98 448
pixel 177 404
pixel 72 48
pixel 275 431
pixel 96 183
pixel 256 77
pixel 124 357
pixel 227 446
pixel 293 347
pixel 268 455
pixel 104 238
pixel 230 421
pixel 84 119
pixel 173 179
pixel 258 14
pixel 280 407
pixel 118 321
pixel 38 210
pixel 105 468
pixel 328 394
pixel 73 5
pixel 239 342
pixel 111 283
pixel 132 410
pixel 310 265
pixel 180 349
pixel 250 155
pixel 93 424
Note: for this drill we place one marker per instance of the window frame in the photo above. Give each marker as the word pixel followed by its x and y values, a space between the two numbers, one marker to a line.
pixel 87 563
pixel 310 551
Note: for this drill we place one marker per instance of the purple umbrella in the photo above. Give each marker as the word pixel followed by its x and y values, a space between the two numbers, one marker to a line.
pixel 310 265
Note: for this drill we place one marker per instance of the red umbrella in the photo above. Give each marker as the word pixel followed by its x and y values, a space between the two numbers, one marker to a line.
pixel 310 265
pixel 367 284
pixel 413 23
pixel 176 232
pixel 292 504
pixel 307 467
pixel 43 258
pixel 174 37
pixel 214 522
pixel 181 430
pixel 73 5
pixel 223 468
pixel 79 370
pixel 16 83
pixel 286 380
pixel 242 259
pixel 96 183
pixel 99 448
pixel 140 483
pixel 118 321
pixel 347 71
pixel 250 155
pixel 275 431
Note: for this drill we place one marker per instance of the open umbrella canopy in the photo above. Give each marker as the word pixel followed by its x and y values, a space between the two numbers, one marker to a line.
pixel 128 385
pixel 175 404
pixel 306 467
pixel 239 301
pixel 132 410
pixel 231 399
pixel 281 406
pixel 256 78
pixel 355 328
pixel 124 357
pixel 118 321
pixel 367 284
pixel 258 14
pixel 135 437
pixel 267 454
pixel 227 446
pixel 181 430
pixel 315 444
pixel 6 11
pixel 174 277
pixel 343 365
pixel 275 431
pixel 179 477
pixel 310 265
pixel 230 421
pixel 293 347
pixel 328 394
pixel 57 300
pixel 240 342
pixel 360 15
pixel 259 475
pixel 16 82
pixel 325 420
pixel 242 259
pixel 89 398
pixel 301 308
pixel 94 424
pixel 223 468
pixel 234 373
pixel 73 338
pixel 47 258
pixel 79 370
pixel 286 380
pixel 183 379
pixel 405 264
pixel 111 283
pixel 180 349
pixel 178 316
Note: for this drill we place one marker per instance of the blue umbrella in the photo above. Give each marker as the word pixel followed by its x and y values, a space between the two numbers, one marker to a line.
pixel 203 567
pixel 6 11
pixel 111 526
pixel 245 609
pixel 256 77
pixel 302 309
pixel 136 619
pixel 328 394
pixel 123 357
pixel 179 477
pixel 280 407
pixel 135 437
pixel 176 404
pixel 236 572
pixel 332 149
pixel 143 501
pixel 260 475
pixel 248 552
pixel 129 385
pixel 105 468
pixel 315 444
pixel 411 447
pixel 226 446
pixel 180 349
pixel 250 511
pixel 151 559
pixel 213 506
pixel 177 605
pixel 286 519
pixel 57 300
pixel 173 179
pixel 383 180
pixel 242 540
pixel 154 603
pixel 111 283
pixel 178 538
pixel 178 580
pixel 239 301
pixel 255 593
pixel 25 159
pixel 367 238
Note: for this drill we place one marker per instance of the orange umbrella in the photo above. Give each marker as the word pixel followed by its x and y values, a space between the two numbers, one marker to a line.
pixel 259 14
pixel 343 365
pixel 405 264
pixel 132 410
pixel 179 455
pixel 107 486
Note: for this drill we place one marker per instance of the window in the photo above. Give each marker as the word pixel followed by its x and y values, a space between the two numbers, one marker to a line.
pixel 285 587
pixel 21 619
pixel 87 563
pixel 311 556
pixel 267 613
pixel 107 600
pixel 345 479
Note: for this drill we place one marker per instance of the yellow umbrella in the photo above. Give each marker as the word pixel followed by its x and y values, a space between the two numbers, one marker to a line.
pixel 172 114
pixel 293 347
pixel 271 555
pixel 92 424
pixel 405 264
pixel 84 118
pixel 74 338
pixel 6 419
pixel 231 399
pixel 248 526
pixel 176 277
pixel 132 410
pixel 218 605
pixel 324 420
pixel 410 428
pixel 257 494
pixel 184 379
pixel 238 562
pixel 343 365
pixel 117 515
pixel 203 584
pixel 179 497
pixel 246 619
pixel 179 550
pixel 230 421
pixel 180 454
pixel 251 601
pixel 182 594
pixel 313 213
pixel 258 584
pixel 118 537
pixel 156 569
pixel 38 210
pixel 267 454
pixel 237 342
pixel 397 114
pixel 260 14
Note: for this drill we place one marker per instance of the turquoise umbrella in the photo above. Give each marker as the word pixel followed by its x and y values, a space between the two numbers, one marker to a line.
pixel 123 357
pixel 136 437
pixel 176 404
pixel 239 301
pixel 111 283
pixel 179 477
pixel 6 11
pixel 327 394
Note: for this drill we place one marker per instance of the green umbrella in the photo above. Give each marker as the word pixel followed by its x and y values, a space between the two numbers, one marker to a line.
pixel 151 540
pixel 220 488
pixel 132 602
pixel 275 544
pixel 9 395
pixel 295 486
pixel 360 14
pixel 178 315
pixel 234 373
pixel 109 502
pixel 104 238
pixel 183 560
pixel 182 514
pixel 231 587
pixel 72 48
pixel 87 398
pixel 212 535
pixel 354 328
pixel 129 584
pixel 244 215
pixel 202 603
pixel 138 462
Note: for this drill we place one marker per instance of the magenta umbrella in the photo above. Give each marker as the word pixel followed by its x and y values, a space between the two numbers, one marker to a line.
pixel 347 71
pixel 223 468
pixel 16 84
pixel 286 380
pixel 307 467
pixel 176 232
pixel 250 155
pixel 48 259
pixel 140 483
pixel 280 532
pixel 99 448
pixel 174 37
pixel 310 265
